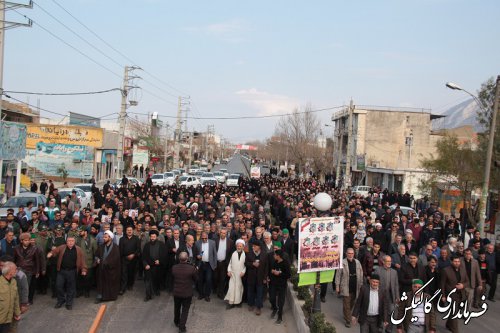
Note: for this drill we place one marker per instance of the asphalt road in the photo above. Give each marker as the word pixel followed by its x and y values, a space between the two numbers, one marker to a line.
pixel 131 314
pixel 489 322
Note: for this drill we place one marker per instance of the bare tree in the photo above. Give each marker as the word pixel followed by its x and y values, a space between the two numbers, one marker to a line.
pixel 299 132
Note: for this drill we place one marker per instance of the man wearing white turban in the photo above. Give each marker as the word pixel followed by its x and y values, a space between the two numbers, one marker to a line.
pixel 236 270
pixel 108 269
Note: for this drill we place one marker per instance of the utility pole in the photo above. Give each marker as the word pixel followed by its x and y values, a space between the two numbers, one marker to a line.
pixel 165 158
pixel 347 182
pixel 489 155
pixel 190 149
pixel 5 25
pixel 177 135
pixel 340 144
pixel 123 114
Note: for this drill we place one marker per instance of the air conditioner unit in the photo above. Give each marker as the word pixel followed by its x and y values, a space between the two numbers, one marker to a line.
pixel 375 164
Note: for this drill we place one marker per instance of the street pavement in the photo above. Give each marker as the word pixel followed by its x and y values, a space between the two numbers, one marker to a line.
pixel 131 314
pixel 489 322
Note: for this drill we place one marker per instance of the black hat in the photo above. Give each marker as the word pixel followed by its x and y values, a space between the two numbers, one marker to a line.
pixel 375 277
pixel 154 232
pixel 481 251
pixel 256 242
pixel 279 253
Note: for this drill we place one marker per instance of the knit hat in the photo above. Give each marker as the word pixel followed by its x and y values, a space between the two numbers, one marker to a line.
pixel 285 231
pixel 277 244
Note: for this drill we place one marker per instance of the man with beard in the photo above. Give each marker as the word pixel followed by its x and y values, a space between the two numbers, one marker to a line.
pixel 27 258
pixel 108 269
pixel 154 257
pixel 130 250
pixel 89 247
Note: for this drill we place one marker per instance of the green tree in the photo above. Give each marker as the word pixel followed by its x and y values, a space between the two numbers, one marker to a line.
pixel 454 165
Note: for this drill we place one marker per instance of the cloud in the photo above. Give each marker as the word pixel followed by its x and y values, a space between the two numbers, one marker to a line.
pixel 266 103
pixel 230 31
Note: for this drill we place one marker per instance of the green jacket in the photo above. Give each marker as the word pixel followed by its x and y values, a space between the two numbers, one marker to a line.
pixel 89 249
pixel 9 300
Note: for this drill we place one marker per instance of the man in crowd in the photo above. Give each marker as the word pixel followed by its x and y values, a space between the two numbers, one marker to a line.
pixel 372 307
pixel 278 277
pixel 70 263
pixel 348 282
pixel 108 269
pixel 130 250
pixel 225 248
pixel 207 259
pixel 184 276
pixel 9 297
pixel 27 258
pixel 154 258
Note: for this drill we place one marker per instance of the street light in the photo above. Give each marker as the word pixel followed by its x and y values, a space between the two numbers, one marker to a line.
pixel 489 152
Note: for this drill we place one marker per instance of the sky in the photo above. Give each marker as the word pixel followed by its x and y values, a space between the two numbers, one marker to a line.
pixel 253 58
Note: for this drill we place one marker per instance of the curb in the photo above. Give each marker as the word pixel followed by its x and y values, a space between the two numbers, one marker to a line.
pixel 298 314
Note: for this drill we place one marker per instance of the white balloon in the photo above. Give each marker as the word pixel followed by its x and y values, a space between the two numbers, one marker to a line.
pixel 322 201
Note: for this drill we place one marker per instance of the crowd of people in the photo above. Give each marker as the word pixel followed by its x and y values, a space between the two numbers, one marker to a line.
pixel 238 244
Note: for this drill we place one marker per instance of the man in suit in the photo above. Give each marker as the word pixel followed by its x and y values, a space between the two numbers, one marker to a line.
pixel 207 259
pixel 389 282
pixel 474 275
pixel 173 244
pixel 399 258
pixel 454 276
pixel 371 308
pixel 225 248
pixel 184 275
pixel 188 247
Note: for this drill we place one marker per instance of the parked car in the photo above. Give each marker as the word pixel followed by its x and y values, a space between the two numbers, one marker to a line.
pixel 207 176
pixel 209 182
pixel 177 173
pixel 219 175
pixel 233 180
pixel 85 200
pixel 22 200
pixel 193 170
pixel 188 181
pixel 361 190
pixel 405 210
pixel 131 182
pixel 85 187
pixel 224 171
pixel 158 179
pixel 198 174
pixel 170 178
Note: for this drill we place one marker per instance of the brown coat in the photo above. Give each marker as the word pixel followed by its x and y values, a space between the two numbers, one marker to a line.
pixel 475 280
pixel 184 275
pixel 80 258
pixel 449 282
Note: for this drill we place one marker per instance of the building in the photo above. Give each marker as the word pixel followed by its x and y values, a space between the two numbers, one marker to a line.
pixel 384 146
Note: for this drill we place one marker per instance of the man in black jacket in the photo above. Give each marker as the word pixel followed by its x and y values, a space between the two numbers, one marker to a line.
pixel 130 250
pixel 184 276
pixel 278 276
pixel 154 258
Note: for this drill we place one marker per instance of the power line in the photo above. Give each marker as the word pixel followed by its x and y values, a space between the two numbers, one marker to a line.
pixel 120 53
pixel 69 45
pixel 251 117
pixel 50 111
pixel 61 94
pixel 78 35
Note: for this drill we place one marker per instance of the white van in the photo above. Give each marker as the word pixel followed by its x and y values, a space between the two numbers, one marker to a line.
pixel 361 190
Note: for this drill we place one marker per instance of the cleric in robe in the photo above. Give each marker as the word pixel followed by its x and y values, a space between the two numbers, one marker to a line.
pixel 236 270
pixel 108 269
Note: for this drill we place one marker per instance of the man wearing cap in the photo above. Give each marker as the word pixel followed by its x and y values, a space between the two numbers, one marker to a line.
pixel 27 258
pixel 89 248
pixel 372 307
pixel 108 269
pixel 426 322
pixel 154 257
pixel 70 263
pixel 257 269
pixel 56 239
pixel 287 244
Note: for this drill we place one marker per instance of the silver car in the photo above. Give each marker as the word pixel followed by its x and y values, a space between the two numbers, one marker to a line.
pixel 22 200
